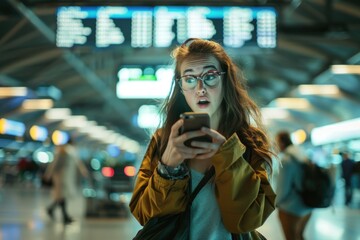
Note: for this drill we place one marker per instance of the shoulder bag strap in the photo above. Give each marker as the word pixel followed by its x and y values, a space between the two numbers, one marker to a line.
pixel 210 173
pixel 202 183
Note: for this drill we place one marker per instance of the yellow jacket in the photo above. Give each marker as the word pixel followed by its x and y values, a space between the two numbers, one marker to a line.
pixel 243 191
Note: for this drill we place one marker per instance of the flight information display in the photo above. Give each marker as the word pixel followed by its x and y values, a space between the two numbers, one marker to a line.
pixel 165 26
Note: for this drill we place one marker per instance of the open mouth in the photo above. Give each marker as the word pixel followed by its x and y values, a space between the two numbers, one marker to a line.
pixel 203 103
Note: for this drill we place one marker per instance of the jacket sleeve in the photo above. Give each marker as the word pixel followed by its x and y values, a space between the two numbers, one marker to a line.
pixel 243 191
pixel 153 195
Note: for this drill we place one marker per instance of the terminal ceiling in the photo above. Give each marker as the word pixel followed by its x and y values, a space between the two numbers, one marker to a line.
pixel 313 35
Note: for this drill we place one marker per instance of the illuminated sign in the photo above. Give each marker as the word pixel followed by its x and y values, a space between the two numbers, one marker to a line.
pixel 144 82
pixel 165 26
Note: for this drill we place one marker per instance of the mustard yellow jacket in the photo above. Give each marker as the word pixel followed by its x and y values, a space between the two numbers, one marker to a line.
pixel 243 192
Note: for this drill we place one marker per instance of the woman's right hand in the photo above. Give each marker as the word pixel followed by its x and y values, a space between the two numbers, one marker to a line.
pixel 176 151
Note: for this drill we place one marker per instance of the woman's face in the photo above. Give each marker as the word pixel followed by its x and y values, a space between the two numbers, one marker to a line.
pixel 204 98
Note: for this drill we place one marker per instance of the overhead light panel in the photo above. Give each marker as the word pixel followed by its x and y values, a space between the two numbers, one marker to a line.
pixel 310 89
pixel 37 104
pixel 85 126
pixel 274 113
pixel 291 103
pixel 77 121
pixel 345 69
pixel 58 113
pixel 338 132
pixel 13 92
pixel 96 131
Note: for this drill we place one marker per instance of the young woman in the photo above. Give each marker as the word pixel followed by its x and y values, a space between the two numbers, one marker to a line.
pixel 239 198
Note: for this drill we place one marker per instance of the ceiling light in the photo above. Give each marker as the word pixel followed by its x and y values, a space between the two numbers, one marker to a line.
pixel 59 137
pixel 299 136
pixel 337 132
pixel 345 69
pixel 97 132
pixel 274 113
pixel 57 113
pixel 37 104
pixel 38 133
pixel 309 89
pixel 291 103
pixel 13 92
pixel 11 127
pixel 77 121
pixel 148 116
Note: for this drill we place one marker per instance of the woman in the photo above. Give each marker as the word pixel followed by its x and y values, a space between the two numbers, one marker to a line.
pixel 293 214
pixel 239 198
pixel 63 172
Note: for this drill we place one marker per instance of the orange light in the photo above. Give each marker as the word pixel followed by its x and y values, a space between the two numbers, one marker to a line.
pixel 107 172
pixel 130 171
pixel 2 125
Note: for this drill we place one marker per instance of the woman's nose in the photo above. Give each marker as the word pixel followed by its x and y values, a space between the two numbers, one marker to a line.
pixel 201 90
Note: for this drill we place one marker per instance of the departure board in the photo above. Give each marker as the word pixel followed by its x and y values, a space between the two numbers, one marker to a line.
pixel 165 26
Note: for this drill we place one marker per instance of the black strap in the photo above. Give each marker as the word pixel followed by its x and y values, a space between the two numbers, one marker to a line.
pixel 202 183
pixel 210 173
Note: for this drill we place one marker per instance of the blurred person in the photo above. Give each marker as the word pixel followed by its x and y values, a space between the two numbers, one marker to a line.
pixel 293 213
pixel 63 172
pixel 239 198
pixel 33 168
pixel 22 166
pixel 347 167
pixel 28 168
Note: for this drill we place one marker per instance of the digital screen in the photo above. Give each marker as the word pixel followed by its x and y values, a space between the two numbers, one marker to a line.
pixel 165 26
pixel 144 82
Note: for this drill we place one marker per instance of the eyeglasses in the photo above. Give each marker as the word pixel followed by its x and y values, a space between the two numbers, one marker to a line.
pixel 210 79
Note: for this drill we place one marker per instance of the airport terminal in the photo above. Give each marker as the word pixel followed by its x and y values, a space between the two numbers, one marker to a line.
pixel 93 74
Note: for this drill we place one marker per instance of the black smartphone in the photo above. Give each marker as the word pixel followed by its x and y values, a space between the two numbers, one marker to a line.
pixel 195 121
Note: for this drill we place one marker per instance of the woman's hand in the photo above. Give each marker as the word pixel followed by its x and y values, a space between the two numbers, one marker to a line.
pixel 176 152
pixel 217 141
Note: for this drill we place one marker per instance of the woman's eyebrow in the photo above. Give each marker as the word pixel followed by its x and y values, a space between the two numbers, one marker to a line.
pixel 204 68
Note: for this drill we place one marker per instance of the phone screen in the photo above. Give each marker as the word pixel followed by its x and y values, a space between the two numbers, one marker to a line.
pixel 195 121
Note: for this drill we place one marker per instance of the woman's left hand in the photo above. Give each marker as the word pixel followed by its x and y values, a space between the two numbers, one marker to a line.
pixel 217 141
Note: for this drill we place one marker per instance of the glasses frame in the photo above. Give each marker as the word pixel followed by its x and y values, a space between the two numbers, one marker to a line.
pixel 179 81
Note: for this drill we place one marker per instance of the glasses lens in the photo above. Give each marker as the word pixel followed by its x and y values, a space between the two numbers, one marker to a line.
pixel 211 79
pixel 188 82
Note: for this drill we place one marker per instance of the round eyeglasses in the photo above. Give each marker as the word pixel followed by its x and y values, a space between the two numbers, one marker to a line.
pixel 210 79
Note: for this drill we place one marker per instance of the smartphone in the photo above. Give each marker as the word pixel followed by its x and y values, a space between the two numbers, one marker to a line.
pixel 195 121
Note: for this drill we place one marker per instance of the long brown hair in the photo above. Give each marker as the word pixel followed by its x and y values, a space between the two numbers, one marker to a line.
pixel 238 109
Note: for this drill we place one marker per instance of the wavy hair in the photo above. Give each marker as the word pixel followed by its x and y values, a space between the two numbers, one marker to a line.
pixel 237 108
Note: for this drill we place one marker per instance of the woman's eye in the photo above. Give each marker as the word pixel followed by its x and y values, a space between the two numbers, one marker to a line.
pixel 209 77
pixel 190 80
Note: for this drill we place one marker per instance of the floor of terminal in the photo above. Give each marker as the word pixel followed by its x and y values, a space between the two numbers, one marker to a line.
pixel 23 217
